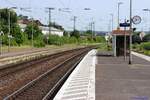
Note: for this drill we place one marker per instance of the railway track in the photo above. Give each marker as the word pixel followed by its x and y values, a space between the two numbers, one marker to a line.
pixel 44 86
pixel 23 65
pixel 52 61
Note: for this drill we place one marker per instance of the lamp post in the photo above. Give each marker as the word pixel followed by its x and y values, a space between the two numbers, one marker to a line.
pixel 32 33
pixel 112 21
pixel 147 10
pixel 9 25
pixel 130 46
pixel 119 3
pixel 1 33
pixel 92 24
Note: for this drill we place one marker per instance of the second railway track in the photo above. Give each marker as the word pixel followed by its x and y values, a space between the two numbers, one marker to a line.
pixel 71 58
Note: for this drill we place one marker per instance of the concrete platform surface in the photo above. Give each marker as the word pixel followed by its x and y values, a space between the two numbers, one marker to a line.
pixel 81 83
pixel 116 80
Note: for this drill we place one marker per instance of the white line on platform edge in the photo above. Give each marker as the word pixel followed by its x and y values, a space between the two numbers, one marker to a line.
pixel 141 56
pixel 85 68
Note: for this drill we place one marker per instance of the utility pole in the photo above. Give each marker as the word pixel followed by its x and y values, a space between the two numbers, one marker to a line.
pixel 93 28
pixel 130 47
pixel 74 25
pixel 50 11
pixel 8 30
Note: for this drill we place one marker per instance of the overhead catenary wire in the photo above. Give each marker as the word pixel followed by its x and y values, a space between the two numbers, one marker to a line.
pixel 71 14
pixel 61 3
pixel 11 3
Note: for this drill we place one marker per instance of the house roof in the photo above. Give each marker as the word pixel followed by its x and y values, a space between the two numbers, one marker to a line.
pixel 23 23
pixel 27 21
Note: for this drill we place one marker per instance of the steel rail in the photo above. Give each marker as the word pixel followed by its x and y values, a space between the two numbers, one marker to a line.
pixel 31 83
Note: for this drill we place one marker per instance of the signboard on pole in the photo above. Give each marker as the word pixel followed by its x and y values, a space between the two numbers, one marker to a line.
pixel 136 20
pixel 124 24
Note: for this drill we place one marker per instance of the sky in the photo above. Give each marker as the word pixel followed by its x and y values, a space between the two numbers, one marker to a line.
pixel 99 13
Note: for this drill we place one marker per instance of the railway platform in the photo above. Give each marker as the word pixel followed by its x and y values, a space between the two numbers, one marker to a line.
pixel 117 80
pixel 108 78
pixel 81 83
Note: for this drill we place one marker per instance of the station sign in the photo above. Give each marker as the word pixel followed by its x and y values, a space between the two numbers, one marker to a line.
pixel 124 24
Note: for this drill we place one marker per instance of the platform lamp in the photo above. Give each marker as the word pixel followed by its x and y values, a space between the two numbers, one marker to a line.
pixel 131 30
pixel 147 10
pixel 119 3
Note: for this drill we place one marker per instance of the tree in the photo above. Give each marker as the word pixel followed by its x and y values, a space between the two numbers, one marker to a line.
pixel 88 32
pixel 75 33
pixel 17 34
pixel 15 30
pixel 146 38
pixel 65 33
pixel 39 42
pixel 5 17
pixel 36 31
pixel 136 38
pixel 37 34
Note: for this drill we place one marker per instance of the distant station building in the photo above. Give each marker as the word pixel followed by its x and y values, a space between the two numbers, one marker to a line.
pixel 118 42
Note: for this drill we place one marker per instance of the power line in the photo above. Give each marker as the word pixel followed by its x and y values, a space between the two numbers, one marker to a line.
pixel 61 3
pixel 69 3
pixel 11 3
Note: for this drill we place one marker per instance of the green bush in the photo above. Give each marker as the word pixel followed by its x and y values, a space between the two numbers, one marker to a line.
pixel 147 52
pixel 73 40
pixel 65 39
pixel 5 39
pixel 75 34
pixel 25 39
pixel 137 47
pixel 146 45
pixel 55 40
pixel 39 42
pixel 100 39
pixel 146 38
pixel 13 42
pixel 17 34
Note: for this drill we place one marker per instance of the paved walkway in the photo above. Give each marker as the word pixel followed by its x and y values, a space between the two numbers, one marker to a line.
pixel 116 80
